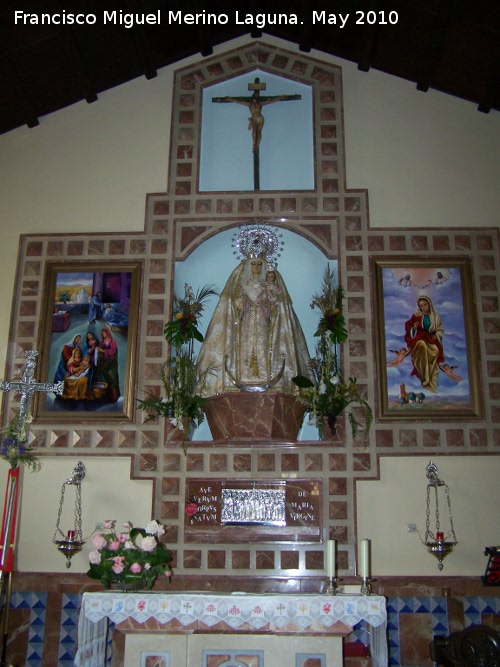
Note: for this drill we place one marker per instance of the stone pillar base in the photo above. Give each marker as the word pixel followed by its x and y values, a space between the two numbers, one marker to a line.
pixel 246 415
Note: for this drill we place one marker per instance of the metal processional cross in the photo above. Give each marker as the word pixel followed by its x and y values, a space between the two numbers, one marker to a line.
pixel 256 119
pixel 26 387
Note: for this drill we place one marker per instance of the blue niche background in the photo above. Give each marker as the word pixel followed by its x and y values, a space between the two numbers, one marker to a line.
pixel 301 264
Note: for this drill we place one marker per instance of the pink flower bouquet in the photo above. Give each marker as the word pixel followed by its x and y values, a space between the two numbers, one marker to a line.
pixel 134 555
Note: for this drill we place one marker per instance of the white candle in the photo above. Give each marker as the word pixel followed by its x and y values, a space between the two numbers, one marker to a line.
pixel 330 559
pixel 364 559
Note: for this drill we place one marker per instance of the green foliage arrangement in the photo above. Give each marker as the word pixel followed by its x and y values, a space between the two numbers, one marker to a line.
pixel 181 401
pixel 329 394
pixel 14 448
pixel 133 556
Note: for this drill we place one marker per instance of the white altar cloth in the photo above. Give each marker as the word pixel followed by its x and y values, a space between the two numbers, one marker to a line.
pixel 279 614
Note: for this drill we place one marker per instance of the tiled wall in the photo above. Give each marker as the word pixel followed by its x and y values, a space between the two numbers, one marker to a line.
pixel 335 220
pixel 44 623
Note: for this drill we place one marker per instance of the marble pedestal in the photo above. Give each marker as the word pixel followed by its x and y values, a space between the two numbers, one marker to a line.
pixel 247 415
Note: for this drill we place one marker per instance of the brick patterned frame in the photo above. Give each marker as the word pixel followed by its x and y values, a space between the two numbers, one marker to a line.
pixel 333 218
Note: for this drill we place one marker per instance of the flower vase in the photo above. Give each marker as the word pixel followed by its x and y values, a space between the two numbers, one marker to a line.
pixel 176 434
pixel 327 427
pixel 128 586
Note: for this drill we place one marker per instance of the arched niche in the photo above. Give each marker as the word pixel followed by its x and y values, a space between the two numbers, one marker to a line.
pixel 301 264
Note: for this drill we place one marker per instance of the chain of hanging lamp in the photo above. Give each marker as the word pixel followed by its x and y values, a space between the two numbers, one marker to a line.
pixel 78 513
pixel 440 545
pixel 428 532
pixel 71 543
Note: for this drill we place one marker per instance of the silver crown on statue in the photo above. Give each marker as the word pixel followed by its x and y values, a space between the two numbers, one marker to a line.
pixel 259 241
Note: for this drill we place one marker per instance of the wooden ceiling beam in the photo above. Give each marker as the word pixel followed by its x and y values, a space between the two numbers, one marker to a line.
pixel 27 110
pixel 82 72
pixel 203 32
pixel 70 44
pixel 430 62
pixel 490 98
pixel 142 46
pixel 254 7
pixel 140 38
pixel 305 29
pixel 367 50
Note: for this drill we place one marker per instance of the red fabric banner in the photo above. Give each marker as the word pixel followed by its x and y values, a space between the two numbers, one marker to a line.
pixel 9 521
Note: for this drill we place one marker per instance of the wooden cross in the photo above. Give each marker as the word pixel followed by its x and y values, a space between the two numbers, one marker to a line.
pixel 256 120
pixel 27 386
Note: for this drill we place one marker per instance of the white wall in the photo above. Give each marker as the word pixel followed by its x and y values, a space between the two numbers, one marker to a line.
pixel 427 159
pixel 107 493
pixel 385 508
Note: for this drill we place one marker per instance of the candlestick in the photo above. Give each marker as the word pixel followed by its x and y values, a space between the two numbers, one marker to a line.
pixel 332 587
pixel 330 558
pixel 366 586
pixel 364 559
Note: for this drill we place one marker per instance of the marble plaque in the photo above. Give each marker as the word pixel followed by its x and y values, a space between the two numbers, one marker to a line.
pixel 245 510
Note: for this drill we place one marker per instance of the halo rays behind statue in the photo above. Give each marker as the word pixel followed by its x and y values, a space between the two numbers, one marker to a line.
pixel 254 328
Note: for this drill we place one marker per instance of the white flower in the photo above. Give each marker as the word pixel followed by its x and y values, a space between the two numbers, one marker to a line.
pixel 148 543
pixel 312 421
pixel 155 528
pixel 322 387
pixel 94 557
pixel 335 380
pixel 152 527
pixel 173 421
pixel 129 545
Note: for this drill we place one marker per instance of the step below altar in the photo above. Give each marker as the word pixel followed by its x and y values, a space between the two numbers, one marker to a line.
pixel 247 415
pixel 200 629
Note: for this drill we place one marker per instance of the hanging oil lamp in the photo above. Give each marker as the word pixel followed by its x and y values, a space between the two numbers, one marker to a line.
pixel 72 541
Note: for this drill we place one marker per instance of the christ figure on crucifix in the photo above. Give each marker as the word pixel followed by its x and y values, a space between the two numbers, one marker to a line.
pixel 255 104
pixel 256 119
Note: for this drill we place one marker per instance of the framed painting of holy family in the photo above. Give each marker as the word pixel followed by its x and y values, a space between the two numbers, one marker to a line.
pixel 88 336
pixel 427 343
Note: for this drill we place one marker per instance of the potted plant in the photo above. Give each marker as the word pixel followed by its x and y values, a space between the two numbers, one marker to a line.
pixel 329 394
pixel 181 402
pixel 131 559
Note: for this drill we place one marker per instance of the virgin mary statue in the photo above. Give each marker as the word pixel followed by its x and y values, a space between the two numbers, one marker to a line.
pixel 254 341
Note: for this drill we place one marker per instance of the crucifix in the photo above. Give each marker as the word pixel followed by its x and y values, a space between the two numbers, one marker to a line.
pixel 256 121
pixel 26 388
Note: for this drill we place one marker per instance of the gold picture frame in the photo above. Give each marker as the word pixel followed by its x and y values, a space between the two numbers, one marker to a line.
pixel 92 307
pixel 428 362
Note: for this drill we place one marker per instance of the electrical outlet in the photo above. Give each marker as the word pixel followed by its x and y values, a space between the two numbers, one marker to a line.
pixel 412 527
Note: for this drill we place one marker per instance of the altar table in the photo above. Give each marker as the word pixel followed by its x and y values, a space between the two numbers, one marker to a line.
pixel 189 628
